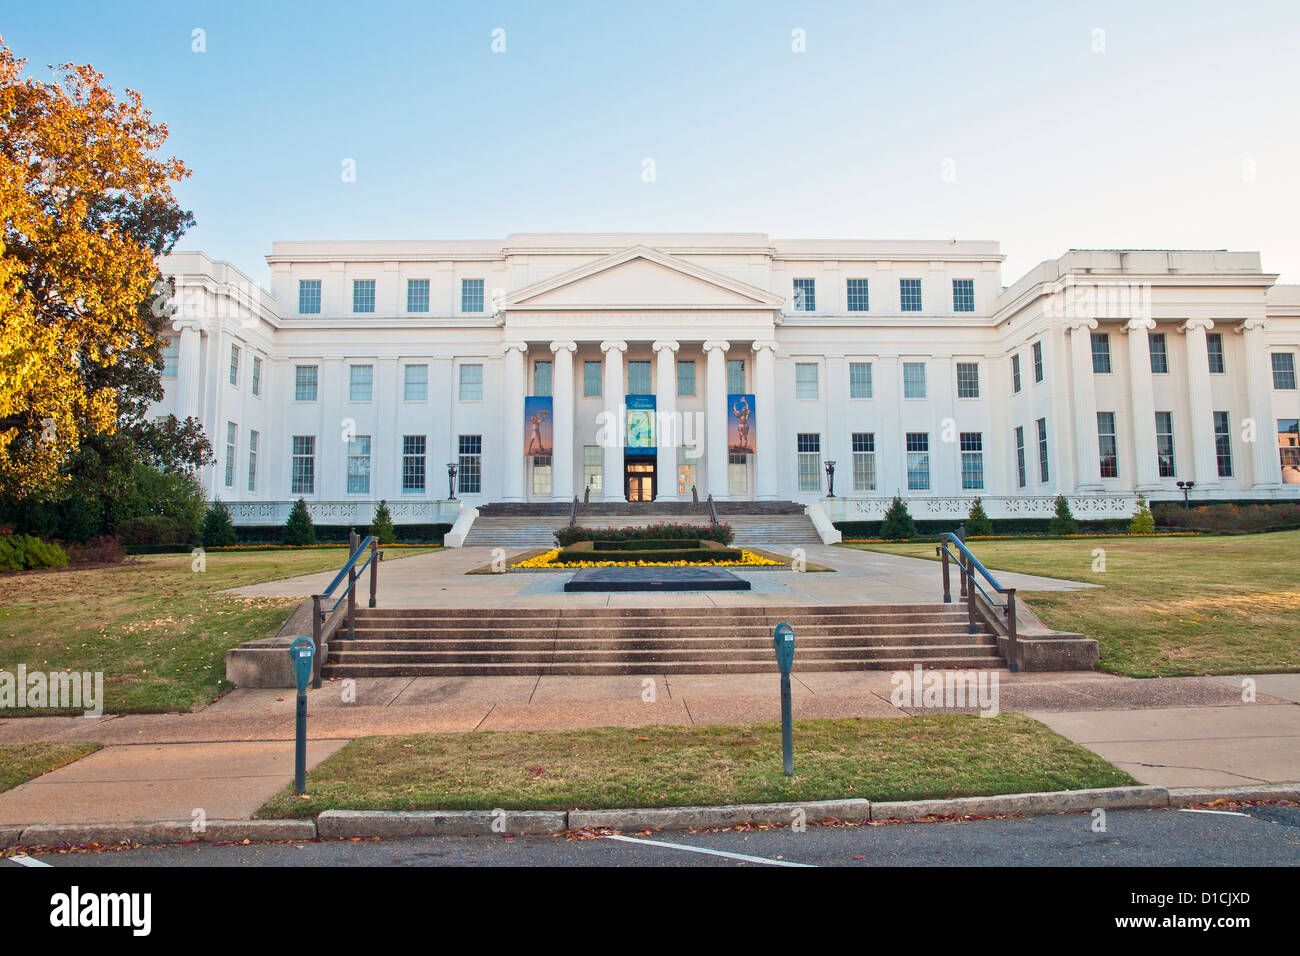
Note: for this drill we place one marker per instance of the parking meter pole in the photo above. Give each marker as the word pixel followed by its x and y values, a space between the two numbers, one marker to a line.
pixel 783 642
pixel 302 653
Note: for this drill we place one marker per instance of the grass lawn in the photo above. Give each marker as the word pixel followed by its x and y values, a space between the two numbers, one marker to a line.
pixel 878 759
pixel 21 762
pixel 1169 606
pixel 153 625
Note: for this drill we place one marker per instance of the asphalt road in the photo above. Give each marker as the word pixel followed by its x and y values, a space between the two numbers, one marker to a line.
pixel 1263 836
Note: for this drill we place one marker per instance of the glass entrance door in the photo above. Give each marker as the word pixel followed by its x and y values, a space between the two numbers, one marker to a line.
pixel 640 481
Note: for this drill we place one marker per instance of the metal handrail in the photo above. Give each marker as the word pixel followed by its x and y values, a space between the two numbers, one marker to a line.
pixel 573 512
pixel 352 560
pixel 713 511
pixel 967 566
pixel 352 573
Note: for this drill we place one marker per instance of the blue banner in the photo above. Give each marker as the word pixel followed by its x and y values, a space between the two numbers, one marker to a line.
pixel 640 436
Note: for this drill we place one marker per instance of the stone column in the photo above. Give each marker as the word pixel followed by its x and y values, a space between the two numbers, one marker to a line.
pixel 667 430
pixel 1087 464
pixel 715 418
pixel 188 369
pixel 1266 467
pixel 1142 396
pixel 562 421
pixel 512 417
pixel 612 467
pixel 766 456
pixel 1201 425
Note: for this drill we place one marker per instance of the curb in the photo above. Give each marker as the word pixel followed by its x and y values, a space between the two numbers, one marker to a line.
pixel 362 824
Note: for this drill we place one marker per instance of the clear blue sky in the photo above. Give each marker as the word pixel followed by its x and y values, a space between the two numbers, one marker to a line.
pixel 1148 144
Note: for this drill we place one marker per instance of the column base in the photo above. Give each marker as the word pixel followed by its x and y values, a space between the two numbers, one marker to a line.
pixel 1088 489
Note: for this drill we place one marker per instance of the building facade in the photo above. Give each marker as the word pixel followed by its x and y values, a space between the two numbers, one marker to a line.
pixel 659 367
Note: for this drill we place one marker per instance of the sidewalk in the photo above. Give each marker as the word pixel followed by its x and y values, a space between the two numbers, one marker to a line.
pixel 227 759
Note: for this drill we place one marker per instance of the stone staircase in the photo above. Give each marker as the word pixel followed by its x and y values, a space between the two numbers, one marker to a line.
pixel 772 531
pixel 453 642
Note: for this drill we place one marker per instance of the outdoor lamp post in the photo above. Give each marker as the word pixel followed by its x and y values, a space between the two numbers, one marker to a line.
pixel 830 479
pixel 451 481
pixel 1185 487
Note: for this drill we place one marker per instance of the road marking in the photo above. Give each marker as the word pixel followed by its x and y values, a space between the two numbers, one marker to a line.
pixel 28 861
pixel 700 849
pixel 1222 813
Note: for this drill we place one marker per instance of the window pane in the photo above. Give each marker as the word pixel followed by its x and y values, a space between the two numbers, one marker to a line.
pixel 858 300
pixel 1100 353
pixel 686 378
pixel 914 380
pixel 304 383
pixel 359 465
pixel 735 376
pixel 1214 350
pixel 1042 449
pixel 1015 373
pixel 416 386
pixel 1223 444
pixel 252 460
pixel 414 463
pixel 909 295
pixel 968 380
pixel 1107 445
pixel 808 447
pixel 1288 440
pixel 542 384
pixel 638 378
pixel 1165 443
pixel 805 295
pixel 1159 354
pixel 1284 370
pixel 591 380
pixel 918 461
pixel 417 295
pixel 309 296
pixel 363 295
pixel 471 295
pixel 859 380
pixel 304 465
pixel 171 353
pixel 1038 361
pixel 864 461
pixel 972 460
pixel 471 383
pixel 963 295
pixel 469 475
pixel 361 383
pixel 805 380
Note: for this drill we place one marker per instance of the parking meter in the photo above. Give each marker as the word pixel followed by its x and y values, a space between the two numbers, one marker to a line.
pixel 783 641
pixel 303 654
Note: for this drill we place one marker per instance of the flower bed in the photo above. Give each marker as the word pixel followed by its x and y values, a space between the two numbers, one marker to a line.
pixel 720 533
pixel 686 551
pixel 549 560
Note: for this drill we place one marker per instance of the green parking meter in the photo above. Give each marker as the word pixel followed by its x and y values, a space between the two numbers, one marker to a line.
pixel 783 641
pixel 303 653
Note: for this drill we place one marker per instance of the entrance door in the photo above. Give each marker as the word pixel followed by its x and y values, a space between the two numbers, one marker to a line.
pixel 640 481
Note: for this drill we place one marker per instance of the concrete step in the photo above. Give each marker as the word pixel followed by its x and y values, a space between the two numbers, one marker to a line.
pixel 787 612
pixel 758 656
pixel 762 646
pixel 703 631
pixel 405 669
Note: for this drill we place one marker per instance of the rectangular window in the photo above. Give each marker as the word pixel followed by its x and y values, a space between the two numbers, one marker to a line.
pixel 1223 444
pixel 469 473
pixel 1021 477
pixel 1159 353
pixel 968 380
pixel 914 380
pixel 542 383
pixel 963 295
pixel 638 378
pixel 1288 441
pixel 737 474
pixel 864 461
pixel 972 460
pixel 1214 351
pixel 232 433
pixel 234 365
pixel 686 377
pixel 805 295
pixel 809 450
pixel 304 383
pixel 1284 370
pixel 909 295
pixel 1042 450
pixel 542 475
pixel 257 375
pixel 1106 444
pixel 417 295
pixel 303 481
pixel 1015 373
pixel 1100 353
pixel 858 299
pixel 471 295
pixel 591 380
pixel 252 460
pixel 918 461
pixel 735 376
pixel 593 467
pixel 414 463
pixel 363 295
pixel 685 470
pixel 308 296
pixel 415 385
pixel 1165 443
pixel 359 465
pixel 361 383
pixel 1038 361
pixel 859 380
pixel 471 383
pixel 805 380
pixel 171 355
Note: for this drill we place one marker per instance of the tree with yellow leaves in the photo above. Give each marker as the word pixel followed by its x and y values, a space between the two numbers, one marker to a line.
pixel 86 206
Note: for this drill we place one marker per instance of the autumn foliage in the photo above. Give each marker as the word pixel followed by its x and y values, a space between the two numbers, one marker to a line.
pixel 75 163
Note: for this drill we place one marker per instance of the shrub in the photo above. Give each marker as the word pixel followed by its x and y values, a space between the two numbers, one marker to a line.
pixel 1227 518
pixel 105 549
pixel 1064 523
pixel 299 530
pixel 152 529
pixel 977 521
pixel 25 552
pixel 898 523
pixel 218 529
pixel 1142 522
pixel 381 526
pixel 720 533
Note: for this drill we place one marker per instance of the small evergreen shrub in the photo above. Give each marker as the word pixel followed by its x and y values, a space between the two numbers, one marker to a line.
pixel 299 530
pixel 25 552
pixel 1064 523
pixel 1142 522
pixel 218 529
pixel 381 526
pixel 898 523
pixel 978 524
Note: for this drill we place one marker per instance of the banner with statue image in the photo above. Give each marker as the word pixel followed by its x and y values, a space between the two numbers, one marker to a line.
pixel 537 426
pixel 740 424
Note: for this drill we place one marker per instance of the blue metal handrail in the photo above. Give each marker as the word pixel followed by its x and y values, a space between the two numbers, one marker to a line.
pixel 353 574
pixel 343 571
pixel 967 565
pixel 360 571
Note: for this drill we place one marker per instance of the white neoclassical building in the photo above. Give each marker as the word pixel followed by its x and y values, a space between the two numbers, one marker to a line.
pixel 658 366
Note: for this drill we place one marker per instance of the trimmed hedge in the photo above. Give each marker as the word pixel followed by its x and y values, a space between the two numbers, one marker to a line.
pixel 720 533
pixel 704 552
pixel 1001 526
pixel 647 544
pixel 338 533
pixel 1227 518
pixel 25 552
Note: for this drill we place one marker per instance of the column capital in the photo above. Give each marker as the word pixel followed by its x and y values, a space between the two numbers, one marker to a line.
pixel 558 347
pixel 1076 325
pixel 1196 325
pixel 665 345
pixel 508 347
pixel 1137 325
pixel 769 344
pixel 609 346
pixel 719 344
pixel 1251 325
pixel 189 325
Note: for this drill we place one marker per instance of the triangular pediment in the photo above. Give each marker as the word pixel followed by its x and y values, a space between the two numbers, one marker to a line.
pixel 641 278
